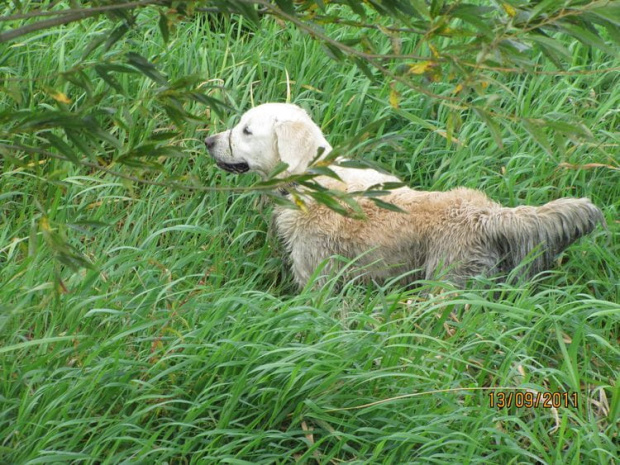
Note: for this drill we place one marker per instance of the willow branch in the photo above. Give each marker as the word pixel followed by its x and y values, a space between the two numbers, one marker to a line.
pixel 98 167
pixel 66 17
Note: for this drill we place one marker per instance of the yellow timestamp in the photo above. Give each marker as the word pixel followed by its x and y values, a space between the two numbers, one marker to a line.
pixel 532 399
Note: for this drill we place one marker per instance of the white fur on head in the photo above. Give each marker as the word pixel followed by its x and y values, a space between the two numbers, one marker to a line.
pixel 298 144
pixel 267 135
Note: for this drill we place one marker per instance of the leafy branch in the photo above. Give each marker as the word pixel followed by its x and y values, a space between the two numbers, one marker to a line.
pixel 451 53
pixel 65 17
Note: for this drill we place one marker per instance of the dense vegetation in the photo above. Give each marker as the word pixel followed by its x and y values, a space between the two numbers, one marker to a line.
pixel 144 323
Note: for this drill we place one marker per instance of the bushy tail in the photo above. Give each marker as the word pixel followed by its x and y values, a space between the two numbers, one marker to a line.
pixel 516 232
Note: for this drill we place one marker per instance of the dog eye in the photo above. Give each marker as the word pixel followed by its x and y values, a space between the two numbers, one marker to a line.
pixel 247 131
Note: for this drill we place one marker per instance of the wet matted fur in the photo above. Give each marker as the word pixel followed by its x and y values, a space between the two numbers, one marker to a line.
pixel 460 232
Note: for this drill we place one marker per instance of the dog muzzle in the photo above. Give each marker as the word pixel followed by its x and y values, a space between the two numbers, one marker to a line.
pixel 236 168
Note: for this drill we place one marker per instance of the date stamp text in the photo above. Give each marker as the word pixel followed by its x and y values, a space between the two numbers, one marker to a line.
pixel 531 399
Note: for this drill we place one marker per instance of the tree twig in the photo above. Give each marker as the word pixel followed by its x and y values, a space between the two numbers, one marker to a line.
pixel 68 16
pixel 38 13
pixel 98 167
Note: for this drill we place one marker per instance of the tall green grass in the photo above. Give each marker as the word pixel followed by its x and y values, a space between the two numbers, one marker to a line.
pixel 189 342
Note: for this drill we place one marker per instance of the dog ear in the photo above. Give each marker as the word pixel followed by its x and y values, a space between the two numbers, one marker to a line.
pixel 297 145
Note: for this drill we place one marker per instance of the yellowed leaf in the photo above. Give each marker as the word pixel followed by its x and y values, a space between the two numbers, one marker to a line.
pixel 433 73
pixel 509 9
pixel 308 87
pixel 60 97
pixel 457 89
pixel 394 98
pixel 421 68
pixel 307 432
pixel 45 224
pixel 33 163
pixel 397 45
pixel 299 202
pixel 587 166
pixel 444 134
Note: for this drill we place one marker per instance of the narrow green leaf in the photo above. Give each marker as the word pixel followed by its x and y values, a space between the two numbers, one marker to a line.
pixel 371 193
pixel 329 201
pixel 286 6
pixel 146 67
pixel 278 199
pixel 140 163
pixel 95 129
pixel 78 141
pixel 214 104
pixel 611 27
pixel 82 226
pixel 74 261
pixel 578 129
pixel 109 79
pixel 357 7
pixel 163 135
pixel 51 119
pixel 116 35
pixel 414 119
pixel 436 8
pixel 388 186
pixel 534 128
pixel 364 68
pixel 609 11
pixel 323 171
pixel 153 149
pixel 475 16
pixel 79 79
pixel 163 26
pixel 387 206
pixel 62 147
pixel 421 8
pixel 38 342
pixel 333 52
pixel 118 68
pixel 587 37
pixel 492 125
pixel 247 10
pixel 90 223
pixel 280 168
pixel 552 48
pixel 357 164
pixel 94 45
pixel 33 238
pixel 546 6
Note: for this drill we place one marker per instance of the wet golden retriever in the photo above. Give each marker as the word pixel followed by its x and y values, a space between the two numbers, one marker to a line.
pixel 460 232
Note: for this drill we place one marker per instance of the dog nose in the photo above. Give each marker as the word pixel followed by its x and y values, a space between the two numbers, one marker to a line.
pixel 210 142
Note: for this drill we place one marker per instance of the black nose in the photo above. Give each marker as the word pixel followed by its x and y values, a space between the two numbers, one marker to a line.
pixel 210 142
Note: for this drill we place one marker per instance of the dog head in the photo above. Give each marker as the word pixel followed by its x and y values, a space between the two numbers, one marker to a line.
pixel 267 135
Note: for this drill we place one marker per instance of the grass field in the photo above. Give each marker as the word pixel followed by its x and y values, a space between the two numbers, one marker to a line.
pixel 190 344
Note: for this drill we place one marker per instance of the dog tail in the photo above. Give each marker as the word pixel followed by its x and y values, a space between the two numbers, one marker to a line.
pixel 547 230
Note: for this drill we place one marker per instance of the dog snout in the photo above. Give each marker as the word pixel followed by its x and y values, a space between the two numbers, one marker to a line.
pixel 210 142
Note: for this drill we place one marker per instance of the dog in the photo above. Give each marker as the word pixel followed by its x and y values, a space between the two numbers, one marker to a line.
pixel 454 235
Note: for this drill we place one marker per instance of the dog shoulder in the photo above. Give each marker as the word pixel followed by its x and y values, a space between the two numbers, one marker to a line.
pixel 357 179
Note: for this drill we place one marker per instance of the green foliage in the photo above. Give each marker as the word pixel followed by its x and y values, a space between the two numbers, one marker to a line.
pixel 146 314
pixel 452 52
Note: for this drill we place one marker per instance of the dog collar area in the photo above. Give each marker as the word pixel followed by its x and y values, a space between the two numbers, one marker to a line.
pixel 284 190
